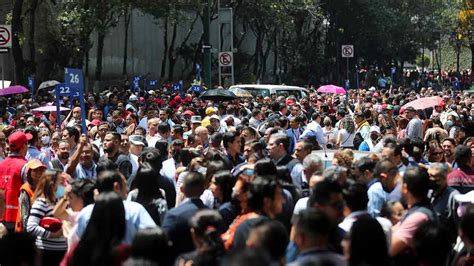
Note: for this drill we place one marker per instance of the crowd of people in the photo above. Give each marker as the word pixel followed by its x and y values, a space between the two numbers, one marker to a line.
pixel 167 179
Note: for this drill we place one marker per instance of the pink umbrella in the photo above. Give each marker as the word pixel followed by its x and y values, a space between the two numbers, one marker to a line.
pixel 50 108
pixel 13 90
pixel 332 89
pixel 423 103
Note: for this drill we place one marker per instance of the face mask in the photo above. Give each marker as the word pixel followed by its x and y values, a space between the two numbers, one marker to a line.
pixel 59 192
pixel 45 140
pixel 450 123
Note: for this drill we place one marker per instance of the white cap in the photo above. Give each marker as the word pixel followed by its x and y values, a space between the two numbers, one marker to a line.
pixel 133 98
pixel 375 129
pixel 196 119
pixel 214 117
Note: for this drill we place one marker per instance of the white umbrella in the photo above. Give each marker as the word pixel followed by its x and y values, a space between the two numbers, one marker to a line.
pixel 50 108
pixel 47 84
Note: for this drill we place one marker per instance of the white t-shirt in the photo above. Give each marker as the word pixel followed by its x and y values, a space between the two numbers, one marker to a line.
pixel 346 139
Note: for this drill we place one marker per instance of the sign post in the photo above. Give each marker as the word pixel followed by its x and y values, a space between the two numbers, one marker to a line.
pixel 347 52
pixel 5 44
pixel 74 79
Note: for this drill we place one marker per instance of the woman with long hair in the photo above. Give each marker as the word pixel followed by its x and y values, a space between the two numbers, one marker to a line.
pixel 149 193
pixel 221 187
pixel 346 134
pixel 206 228
pixel 100 243
pixel 366 244
pixel 435 152
pixel 52 244
pixel 131 120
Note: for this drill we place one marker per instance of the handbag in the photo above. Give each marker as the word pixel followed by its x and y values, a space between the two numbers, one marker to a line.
pixel 51 224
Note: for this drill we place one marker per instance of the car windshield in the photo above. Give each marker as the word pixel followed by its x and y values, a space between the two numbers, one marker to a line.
pixel 258 92
pixel 287 93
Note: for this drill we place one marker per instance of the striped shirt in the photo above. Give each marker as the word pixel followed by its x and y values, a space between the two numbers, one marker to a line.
pixel 41 209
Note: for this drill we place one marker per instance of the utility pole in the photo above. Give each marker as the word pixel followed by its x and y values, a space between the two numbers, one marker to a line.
pixel 207 44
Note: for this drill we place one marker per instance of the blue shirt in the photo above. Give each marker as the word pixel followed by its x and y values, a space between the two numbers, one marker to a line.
pixel 377 197
pixel 34 153
pixel 136 218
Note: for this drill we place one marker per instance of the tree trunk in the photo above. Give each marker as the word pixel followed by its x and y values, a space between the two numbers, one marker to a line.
pixel 165 52
pixel 471 46
pixel 171 51
pixel 17 52
pixel 275 56
pixel 128 16
pixel 100 51
pixel 31 40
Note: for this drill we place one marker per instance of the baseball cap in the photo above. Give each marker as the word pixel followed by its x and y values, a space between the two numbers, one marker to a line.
pixel 34 164
pixel 375 129
pixel 95 122
pixel 188 112
pixel 196 119
pixel 410 109
pixel 210 110
pixel 18 139
pixel 137 140
pixel 214 117
pixel 133 98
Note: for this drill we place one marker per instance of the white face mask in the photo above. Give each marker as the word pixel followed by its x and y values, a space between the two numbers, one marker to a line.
pixel 45 140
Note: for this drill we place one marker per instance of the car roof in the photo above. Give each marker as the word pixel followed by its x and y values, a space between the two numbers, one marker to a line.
pixel 268 86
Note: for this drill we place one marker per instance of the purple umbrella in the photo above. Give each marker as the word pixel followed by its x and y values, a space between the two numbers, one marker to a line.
pixel 331 89
pixel 17 89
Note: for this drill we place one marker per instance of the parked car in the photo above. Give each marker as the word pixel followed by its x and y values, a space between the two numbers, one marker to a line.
pixel 268 90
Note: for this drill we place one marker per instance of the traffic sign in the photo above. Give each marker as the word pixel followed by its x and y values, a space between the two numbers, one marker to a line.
pixel 5 36
pixel 347 51
pixel 225 59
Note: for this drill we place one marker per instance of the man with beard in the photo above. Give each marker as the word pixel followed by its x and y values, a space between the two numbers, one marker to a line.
pixel 62 156
pixel 448 145
pixel 111 146
pixel 81 165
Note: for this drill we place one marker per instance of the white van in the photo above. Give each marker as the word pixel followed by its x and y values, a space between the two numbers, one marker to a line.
pixel 279 90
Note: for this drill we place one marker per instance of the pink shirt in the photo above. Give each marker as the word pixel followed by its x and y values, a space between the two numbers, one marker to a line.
pixel 406 230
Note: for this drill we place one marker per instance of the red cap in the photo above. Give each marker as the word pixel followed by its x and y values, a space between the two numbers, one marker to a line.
pixel 290 102
pixel 95 122
pixel 18 139
pixel 188 112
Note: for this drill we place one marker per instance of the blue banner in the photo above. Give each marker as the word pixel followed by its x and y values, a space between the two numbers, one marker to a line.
pixel 135 83
pixel 152 84
pixel 74 79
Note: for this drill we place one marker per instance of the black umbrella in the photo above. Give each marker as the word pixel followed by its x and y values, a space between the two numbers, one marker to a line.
pixel 218 95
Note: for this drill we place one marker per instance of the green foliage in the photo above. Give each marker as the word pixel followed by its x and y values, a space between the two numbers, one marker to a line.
pixel 423 61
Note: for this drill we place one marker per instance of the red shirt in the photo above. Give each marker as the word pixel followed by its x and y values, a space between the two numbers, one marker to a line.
pixel 462 179
pixel 10 182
